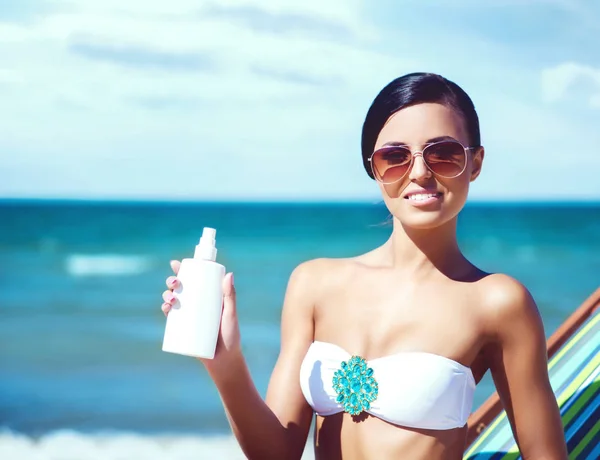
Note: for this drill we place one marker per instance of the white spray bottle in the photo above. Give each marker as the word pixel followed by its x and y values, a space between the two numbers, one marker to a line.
pixel 194 320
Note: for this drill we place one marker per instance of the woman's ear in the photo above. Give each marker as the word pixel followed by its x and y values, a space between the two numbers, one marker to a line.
pixel 477 163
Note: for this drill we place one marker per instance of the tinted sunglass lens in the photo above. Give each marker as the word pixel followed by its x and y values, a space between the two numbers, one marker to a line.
pixel 446 159
pixel 390 164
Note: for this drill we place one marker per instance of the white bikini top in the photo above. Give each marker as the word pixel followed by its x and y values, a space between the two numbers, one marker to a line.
pixel 412 389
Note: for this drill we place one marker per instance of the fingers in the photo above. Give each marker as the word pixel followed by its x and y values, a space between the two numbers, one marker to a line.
pixel 229 294
pixel 172 282
pixel 175 264
pixel 168 297
pixel 229 300
pixel 169 300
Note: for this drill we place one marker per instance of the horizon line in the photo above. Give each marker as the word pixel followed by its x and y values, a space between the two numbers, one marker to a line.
pixel 259 201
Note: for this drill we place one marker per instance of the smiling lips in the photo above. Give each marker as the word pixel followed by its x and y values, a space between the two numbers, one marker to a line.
pixel 422 197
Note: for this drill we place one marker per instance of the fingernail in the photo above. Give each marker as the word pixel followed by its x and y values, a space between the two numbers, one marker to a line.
pixel 232 279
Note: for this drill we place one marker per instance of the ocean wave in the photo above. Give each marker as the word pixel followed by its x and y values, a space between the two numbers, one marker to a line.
pixel 72 445
pixel 105 264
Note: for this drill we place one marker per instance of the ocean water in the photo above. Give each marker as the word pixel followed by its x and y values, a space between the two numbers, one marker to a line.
pixel 82 374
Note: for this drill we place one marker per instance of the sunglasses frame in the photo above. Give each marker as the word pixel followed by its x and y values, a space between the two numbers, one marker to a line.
pixel 418 153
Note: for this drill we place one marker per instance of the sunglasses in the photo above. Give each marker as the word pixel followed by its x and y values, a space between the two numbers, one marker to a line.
pixel 445 159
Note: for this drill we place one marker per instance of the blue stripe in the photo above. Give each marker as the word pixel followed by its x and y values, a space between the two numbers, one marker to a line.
pixel 562 374
pixel 590 382
pixel 568 370
pixel 586 426
pixel 595 454
pixel 594 442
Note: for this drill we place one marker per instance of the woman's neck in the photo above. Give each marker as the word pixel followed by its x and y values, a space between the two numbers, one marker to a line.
pixel 422 251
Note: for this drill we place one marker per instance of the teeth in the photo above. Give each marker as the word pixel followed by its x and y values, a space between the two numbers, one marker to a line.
pixel 422 196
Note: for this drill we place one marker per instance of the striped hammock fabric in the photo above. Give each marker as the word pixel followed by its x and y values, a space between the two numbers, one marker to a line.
pixel 575 378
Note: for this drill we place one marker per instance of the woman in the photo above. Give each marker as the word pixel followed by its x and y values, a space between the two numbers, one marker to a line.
pixel 387 347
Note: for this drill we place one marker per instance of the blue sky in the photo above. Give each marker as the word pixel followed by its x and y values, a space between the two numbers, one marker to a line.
pixel 264 99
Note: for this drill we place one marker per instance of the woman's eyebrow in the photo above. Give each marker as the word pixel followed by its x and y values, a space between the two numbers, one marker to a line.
pixel 441 138
pixel 429 141
pixel 395 144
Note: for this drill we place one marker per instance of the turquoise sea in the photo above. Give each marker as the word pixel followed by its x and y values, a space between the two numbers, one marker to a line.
pixel 81 329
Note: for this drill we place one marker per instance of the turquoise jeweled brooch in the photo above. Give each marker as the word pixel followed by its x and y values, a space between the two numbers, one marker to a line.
pixel 355 385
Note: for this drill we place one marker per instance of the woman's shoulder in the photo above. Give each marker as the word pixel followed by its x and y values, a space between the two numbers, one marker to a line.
pixel 319 275
pixel 505 299
pixel 309 282
pixel 323 269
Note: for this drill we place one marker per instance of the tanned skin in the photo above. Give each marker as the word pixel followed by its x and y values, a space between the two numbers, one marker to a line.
pixel 416 292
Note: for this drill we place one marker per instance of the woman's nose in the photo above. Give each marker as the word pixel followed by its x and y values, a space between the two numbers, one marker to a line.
pixel 419 169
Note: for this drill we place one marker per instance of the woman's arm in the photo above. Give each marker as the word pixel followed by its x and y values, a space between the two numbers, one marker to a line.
pixel 277 428
pixel 519 367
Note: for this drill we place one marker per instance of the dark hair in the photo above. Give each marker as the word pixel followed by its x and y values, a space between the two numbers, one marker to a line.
pixel 411 89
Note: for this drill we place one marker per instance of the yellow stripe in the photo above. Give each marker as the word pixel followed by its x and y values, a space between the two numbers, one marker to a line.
pixel 569 391
pixel 514 449
pixel 573 340
pixel 576 383
pixel 488 431
pixel 585 441
pixel 581 401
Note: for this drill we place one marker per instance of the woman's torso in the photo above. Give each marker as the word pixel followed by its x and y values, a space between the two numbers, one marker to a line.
pixel 373 312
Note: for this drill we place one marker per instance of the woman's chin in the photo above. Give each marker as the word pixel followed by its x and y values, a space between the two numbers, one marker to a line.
pixel 423 222
pixel 424 218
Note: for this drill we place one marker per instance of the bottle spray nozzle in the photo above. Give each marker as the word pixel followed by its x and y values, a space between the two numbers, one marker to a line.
pixel 208 235
pixel 205 249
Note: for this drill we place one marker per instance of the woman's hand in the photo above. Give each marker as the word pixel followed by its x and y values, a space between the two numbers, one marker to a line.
pixel 279 426
pixel 228 342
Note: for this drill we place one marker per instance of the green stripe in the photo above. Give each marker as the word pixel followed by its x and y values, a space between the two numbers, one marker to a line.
pixel 582 400
pixel 498 436
pixel 569 391
pixel 582 377
pixel 585 441
pixel 568 369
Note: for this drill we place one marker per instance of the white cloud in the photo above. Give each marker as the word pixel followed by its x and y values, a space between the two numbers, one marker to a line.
pixel 109 89
pixel 236 99
pixel 104 56
pixel 558 80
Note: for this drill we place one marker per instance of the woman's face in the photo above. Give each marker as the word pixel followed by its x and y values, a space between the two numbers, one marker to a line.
pixel 415 127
